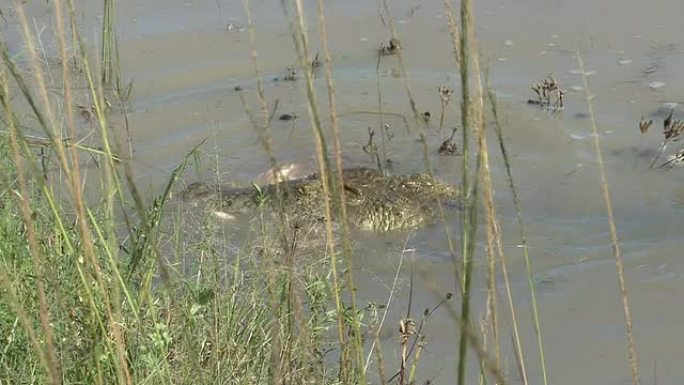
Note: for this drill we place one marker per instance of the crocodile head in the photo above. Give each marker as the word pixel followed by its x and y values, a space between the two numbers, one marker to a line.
pixel 374 202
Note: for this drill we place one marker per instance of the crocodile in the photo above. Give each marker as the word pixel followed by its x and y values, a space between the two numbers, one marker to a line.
pixel 373 201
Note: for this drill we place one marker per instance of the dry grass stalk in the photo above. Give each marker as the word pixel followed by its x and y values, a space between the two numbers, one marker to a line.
pixel 521 228
pixel 673 160
pixel 416 357
pixel 631 347
pixel 281 343
pixel 494 239
pixel 456 45
pixel 492 297
pixel 473 338
pixel 300 40
pixel 469 213
pixel 475 106
pixel 375 346
pixel 407 328
pixel 400 58
pixel 337 148
pixel 383 163
pixel 469 49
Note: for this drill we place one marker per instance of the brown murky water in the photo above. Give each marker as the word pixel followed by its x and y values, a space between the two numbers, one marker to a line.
pixel 186 57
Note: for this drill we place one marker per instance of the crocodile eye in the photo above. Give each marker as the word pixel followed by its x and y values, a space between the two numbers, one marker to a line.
pixel 353 191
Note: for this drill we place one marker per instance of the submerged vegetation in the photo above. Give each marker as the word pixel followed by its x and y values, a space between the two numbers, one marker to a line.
pixel 100 285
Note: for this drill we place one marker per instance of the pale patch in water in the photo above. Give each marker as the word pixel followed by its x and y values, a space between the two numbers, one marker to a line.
pixel 655 85
pixel 286 172
pixel 223 216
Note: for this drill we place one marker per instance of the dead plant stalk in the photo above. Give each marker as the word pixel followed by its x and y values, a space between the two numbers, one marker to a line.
pixel 617 252
pixel 521 228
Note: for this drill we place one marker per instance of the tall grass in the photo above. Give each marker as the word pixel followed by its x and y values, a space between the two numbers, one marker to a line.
pixel 109 59
pixel 469 222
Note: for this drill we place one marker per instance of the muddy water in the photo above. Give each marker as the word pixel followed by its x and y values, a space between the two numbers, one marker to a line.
pixel 186 57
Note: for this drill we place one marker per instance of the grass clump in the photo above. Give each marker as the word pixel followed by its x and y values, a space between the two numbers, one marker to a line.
pixel 218 324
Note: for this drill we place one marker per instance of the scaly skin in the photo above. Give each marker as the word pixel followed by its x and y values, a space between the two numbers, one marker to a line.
pixel 374 202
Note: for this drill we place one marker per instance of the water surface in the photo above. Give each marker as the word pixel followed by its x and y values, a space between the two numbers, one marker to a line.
pixel 186 57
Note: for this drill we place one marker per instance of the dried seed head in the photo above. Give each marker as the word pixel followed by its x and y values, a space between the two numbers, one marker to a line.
pixel 675 133
pixel 287 117
pixel 672 128
pixel 291 74
pixel 537 87
pixel 407 326
pixel 394 44
pixel 448 147
pixel 668 121
pixel 315 63
pixel 644 125
pixel 547 90
pixel 393 47
pixel 445 94
pixel 370 147
pixel 388 131
pixel 550 83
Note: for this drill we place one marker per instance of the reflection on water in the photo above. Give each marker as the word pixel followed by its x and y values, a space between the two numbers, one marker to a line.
pixel 186 57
